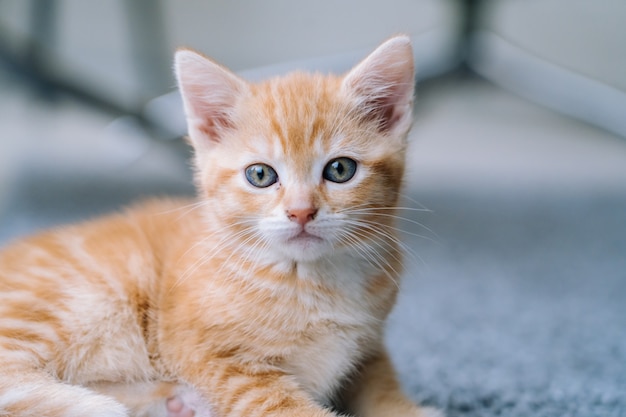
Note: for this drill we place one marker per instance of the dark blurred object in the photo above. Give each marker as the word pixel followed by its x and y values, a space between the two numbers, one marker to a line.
pixel 151 60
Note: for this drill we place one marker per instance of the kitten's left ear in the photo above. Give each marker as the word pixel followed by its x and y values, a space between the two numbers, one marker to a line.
pixel 382 86
pixel 210 93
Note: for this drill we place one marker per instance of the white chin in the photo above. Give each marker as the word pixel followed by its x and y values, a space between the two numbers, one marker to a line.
pixel 306 248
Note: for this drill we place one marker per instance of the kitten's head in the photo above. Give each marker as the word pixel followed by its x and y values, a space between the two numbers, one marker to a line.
pixel 301 166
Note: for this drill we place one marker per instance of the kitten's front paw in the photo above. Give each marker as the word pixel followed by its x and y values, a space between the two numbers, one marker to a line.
pixel 177 408
pixel 187 403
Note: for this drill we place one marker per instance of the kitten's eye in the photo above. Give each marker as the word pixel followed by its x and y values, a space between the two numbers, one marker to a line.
pixel 340 170
pixel 261 175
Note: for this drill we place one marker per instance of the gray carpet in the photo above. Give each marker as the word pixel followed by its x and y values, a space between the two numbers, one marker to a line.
pixel 519 308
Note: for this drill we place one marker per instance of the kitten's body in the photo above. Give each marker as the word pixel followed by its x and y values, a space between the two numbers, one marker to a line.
pixel 267 300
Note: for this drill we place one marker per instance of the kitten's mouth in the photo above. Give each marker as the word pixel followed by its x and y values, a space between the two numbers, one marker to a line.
pixel 305 246
pixel 305 238
pixel 297 242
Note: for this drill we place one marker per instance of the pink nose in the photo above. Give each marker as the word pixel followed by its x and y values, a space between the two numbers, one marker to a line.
pixel 301 216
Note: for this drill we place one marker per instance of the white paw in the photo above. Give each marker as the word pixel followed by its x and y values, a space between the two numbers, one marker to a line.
pixel 188 403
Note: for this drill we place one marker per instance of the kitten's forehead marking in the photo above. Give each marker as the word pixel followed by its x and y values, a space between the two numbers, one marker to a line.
pixel 298 108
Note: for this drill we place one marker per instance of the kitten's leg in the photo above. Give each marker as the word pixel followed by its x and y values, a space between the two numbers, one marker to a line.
pixel 26 393
pixel 376 392
pixel 244 389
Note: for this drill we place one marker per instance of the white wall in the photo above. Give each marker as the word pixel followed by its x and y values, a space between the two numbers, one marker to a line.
pixel 244 34
pixel 587 37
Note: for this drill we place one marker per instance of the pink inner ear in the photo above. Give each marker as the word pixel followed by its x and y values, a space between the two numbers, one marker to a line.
pixel 383 85
pixel 386 111
pixel 209 107
pixel 212 123
pixel 387 104
pixel 210 93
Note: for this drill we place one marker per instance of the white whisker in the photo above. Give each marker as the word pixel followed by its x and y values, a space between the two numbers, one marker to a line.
pixel 373 257
pixel 226 240
pixel 188 208
pixel 375 230
pixel 404 231
pixel 375 212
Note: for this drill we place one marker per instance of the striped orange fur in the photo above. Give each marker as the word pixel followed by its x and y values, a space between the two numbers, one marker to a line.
pixel 265 297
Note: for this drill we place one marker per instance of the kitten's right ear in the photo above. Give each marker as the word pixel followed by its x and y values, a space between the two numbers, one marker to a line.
pixel 210 93
pixel 382 85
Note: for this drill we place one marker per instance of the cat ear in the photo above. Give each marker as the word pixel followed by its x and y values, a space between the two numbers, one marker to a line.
pixel 382 86
pixel 210 93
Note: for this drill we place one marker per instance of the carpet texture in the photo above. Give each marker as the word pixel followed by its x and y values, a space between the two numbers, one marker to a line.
pixel 518 307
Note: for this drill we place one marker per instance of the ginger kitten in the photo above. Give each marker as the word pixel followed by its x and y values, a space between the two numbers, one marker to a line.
pixel 266 297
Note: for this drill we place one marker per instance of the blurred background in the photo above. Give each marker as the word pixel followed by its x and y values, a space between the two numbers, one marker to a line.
pixel 516 286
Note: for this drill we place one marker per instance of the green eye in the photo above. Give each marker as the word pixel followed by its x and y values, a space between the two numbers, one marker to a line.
pixel 340 170
pixel 261 175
